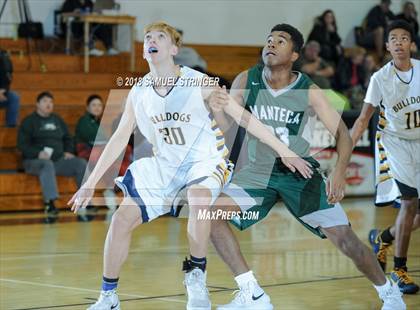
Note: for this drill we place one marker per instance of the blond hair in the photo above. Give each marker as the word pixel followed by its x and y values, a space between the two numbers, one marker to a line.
pixel 162 26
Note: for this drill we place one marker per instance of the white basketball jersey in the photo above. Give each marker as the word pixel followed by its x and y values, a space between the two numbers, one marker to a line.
pixel 397 94
pixel 178 125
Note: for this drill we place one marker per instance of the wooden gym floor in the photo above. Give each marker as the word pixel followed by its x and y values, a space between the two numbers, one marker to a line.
pixel 58 265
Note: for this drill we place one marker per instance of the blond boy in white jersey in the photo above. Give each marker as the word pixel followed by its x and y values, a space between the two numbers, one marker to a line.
pixel 190 156
pixel 395 88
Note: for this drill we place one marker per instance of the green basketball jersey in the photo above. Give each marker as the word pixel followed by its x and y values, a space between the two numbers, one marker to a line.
pixel 284 112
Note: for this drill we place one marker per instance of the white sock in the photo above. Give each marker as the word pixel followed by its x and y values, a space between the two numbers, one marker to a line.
pixel 244 278
pixel 382 289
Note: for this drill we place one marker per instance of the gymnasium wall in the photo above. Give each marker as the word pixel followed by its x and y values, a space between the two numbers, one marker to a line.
pixel 236 22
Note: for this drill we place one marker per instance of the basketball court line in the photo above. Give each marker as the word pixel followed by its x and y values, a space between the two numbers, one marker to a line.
pixel 57 306
pixel 2 258
pixel 168 297
pixel 82 290
pixel 38 256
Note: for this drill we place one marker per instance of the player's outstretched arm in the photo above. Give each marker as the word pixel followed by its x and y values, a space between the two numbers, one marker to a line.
pixel 362 122
pixel 113 149
pixel 219 100
pixel 335 125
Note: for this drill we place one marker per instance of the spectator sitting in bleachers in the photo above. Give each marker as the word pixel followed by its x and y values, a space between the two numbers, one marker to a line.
pixel 409 14
pixel 88 131
pixel 102 32
pixel 48 149
pixel 371 66
pixel 314 66
pixel 8 98
pixel 187 56
pixel 325 33
pixel 350 79
pixel 376 22
pixel 91 140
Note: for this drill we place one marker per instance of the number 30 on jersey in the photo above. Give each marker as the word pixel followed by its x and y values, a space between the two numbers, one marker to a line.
pixel 173 135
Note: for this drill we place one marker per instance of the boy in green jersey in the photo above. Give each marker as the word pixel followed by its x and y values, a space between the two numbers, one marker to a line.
pixel 282 99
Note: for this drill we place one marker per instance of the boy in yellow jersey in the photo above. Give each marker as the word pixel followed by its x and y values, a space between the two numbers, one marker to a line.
pixel 395 88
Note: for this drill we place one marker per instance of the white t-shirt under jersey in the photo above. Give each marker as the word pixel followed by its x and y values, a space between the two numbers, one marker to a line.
pixel 399 102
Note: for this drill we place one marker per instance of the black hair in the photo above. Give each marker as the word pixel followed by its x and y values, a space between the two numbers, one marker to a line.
pixel 400 24
pixel 295 35
pixel 93 97
pixel 321 18
pixel 408 3
pixel 44 94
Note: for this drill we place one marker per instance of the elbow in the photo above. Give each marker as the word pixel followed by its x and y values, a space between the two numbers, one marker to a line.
pixel 362 122
pixel 343 135
pixel 120 138
pixel 116 140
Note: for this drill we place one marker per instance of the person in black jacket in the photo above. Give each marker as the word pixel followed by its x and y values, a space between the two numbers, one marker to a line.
pixel 48 149
pixel 102 32
pixel 351 77
pixel 377 21
pixel 320 71
pixel 325 33
pixel 409 14
pixel 8 98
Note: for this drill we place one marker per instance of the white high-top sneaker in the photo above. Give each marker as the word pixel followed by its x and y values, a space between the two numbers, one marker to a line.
pixel 247 299
pixel 198 295
pixel 392 299
pixel 108 300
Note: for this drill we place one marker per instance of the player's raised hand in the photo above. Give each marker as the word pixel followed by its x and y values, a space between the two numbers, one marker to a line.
pixel 218 99
pixel 81 198
pixel 296 163
pixel 336 184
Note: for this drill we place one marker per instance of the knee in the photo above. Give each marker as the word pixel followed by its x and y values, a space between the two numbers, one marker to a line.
pixel 80 164
pixel 219 221
pixel 346 246
pixel 217 228
pixel 409 206
pixel 348 243
pixel 199 198
pixel 13 98
pixel 121 222
pixel 47 165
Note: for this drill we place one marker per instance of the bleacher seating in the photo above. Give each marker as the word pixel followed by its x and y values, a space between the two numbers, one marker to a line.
pixel 19 191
